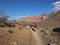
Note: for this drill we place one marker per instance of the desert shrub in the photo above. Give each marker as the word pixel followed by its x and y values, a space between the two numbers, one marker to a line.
pixel 4 20
pixel 10 24
pixel 10 31
pixel 24 23
pixel 3 17
pixel 2 25
pixel 45 28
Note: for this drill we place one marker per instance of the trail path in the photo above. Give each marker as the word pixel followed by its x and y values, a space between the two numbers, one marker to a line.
pixel 36 39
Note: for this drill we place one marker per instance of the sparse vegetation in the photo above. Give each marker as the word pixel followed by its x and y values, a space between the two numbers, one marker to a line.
pixel 24 23
pixel 10 24
pixel 3 18
pixel 10 31
pixel 45 28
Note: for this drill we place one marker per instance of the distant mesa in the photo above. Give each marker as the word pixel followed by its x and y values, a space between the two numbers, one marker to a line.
pixel 34 18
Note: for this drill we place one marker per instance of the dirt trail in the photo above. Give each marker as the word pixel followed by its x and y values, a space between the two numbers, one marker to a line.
pixel 36 39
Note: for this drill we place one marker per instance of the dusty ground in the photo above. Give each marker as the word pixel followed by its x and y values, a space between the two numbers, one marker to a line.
pixel 20 36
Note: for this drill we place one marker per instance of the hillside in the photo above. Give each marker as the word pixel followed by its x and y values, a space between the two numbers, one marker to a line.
pixel 53 20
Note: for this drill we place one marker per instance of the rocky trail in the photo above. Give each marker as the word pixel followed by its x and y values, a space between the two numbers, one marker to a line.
pixel 37 39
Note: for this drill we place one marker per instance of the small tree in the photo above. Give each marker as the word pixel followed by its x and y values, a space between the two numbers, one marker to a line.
pixel 3 17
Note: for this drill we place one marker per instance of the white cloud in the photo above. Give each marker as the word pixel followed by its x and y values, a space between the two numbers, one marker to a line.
pixel 24 16
pixel 58 2
pixel 56 5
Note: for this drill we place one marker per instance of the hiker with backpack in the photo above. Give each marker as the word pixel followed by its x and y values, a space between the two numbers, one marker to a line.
pixel 33 26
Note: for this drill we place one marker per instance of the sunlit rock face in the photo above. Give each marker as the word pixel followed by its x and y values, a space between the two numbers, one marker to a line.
pixel 34 18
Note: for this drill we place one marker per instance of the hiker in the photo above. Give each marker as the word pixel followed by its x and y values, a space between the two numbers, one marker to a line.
pixel 33 26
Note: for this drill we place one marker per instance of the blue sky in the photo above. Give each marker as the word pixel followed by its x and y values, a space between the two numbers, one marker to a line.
pixel 20 8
